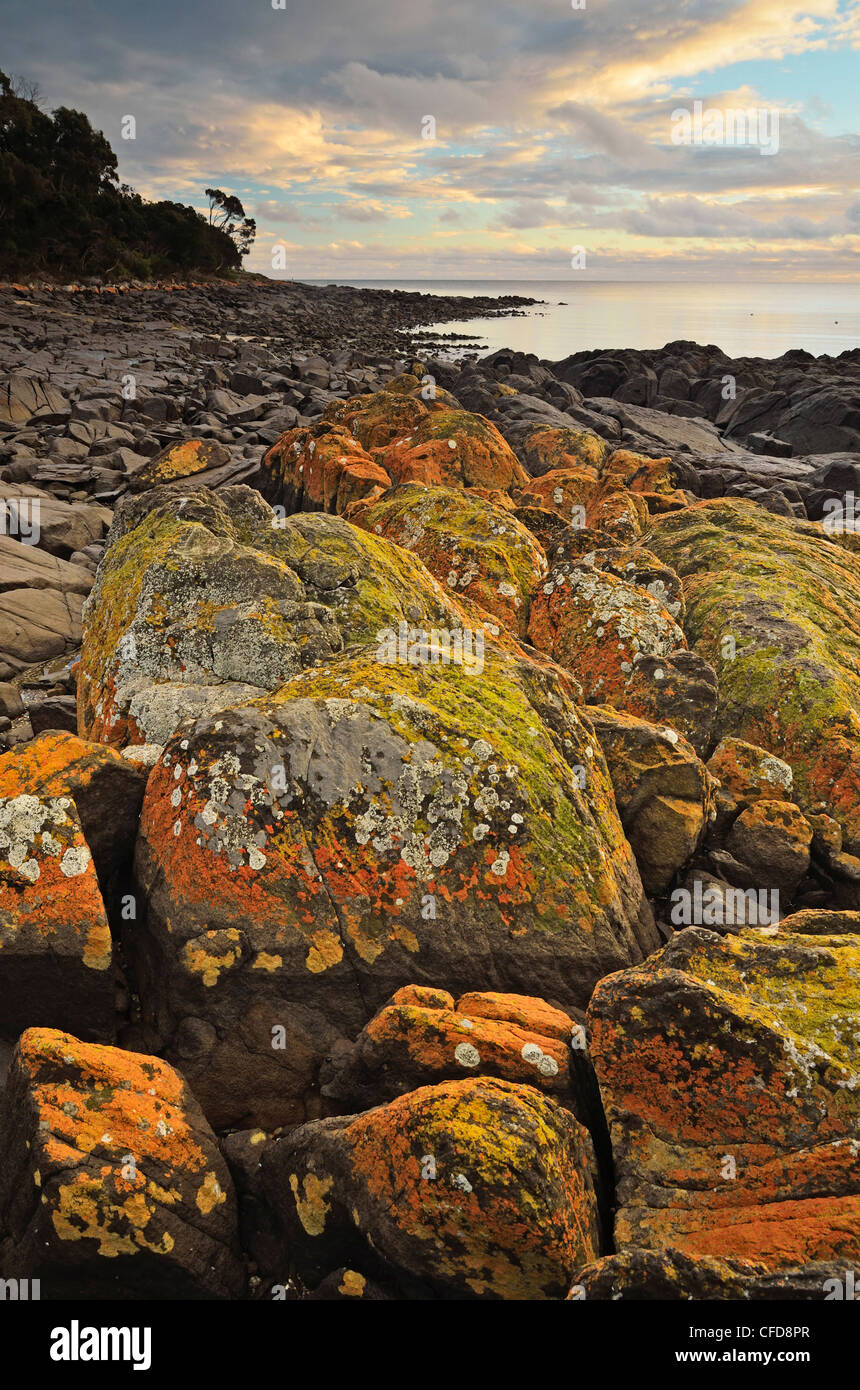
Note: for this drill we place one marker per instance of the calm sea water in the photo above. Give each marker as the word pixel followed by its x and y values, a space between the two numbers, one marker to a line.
pixel 745 320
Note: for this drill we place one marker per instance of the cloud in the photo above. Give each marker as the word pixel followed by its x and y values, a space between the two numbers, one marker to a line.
pixel 551 124
pixel 530 212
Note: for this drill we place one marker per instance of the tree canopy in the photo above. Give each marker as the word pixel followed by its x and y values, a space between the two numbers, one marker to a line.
pixel 63 211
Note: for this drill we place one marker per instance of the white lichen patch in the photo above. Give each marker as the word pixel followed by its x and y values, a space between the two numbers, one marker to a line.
pixel 32 829
pixel 467 1055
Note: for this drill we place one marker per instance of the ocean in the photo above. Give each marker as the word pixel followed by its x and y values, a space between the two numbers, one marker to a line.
pixel 745 320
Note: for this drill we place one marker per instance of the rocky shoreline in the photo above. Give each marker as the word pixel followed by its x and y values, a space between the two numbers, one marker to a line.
pixel 430 813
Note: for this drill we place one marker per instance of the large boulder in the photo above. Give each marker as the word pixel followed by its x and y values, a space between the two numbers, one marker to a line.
pixel 111 1184
pixel 658 479
pixel 376 420
pixel 456 449
pixel 772 605
pixel 729 1073
pixel 566 491
pixel 544 448
pixel 773 838
pixel 471 1189
pixel 370 826
pixel 208 599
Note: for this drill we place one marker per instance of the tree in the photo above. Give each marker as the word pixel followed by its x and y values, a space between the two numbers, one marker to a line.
pixel 227 213
pixel 224 208
pixel 64 212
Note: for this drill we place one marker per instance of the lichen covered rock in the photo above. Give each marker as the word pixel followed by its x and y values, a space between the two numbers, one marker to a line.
pixel 319 468
pixel 543 449
pixel 663 792
pixel 656 478
pixel 306 855
pixel 180 460
pixel 596 624
pixel 107 791
pixel 772 605
pixel 206 600
pixel 747 774
pixel 453 448
pixel 678 689
pixel 622 514
pixel 728 1069
pixel 55 943
pixel 565 491
pixel 421 1038
pixel 376 420
pixel 773 838
pixel 471 1189
pixel 473 547
pixel 112 1185
pixel 663 1275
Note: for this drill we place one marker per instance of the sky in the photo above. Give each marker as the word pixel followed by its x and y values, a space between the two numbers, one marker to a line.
pixel 481 139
